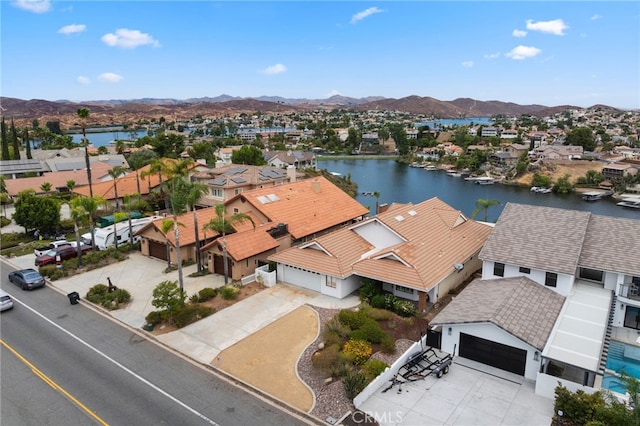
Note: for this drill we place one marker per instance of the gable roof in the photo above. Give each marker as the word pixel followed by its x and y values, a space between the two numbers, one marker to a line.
pixel 126 185
pixel 250 242
pixel 307 206
pixel 410 245
pixel 537 237
pixel 234 175
pixel 57 179
pixel 612 244
pixel 518 305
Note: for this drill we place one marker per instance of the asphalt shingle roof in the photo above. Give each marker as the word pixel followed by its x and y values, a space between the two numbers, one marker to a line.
pixel 517 305
pixel 537 237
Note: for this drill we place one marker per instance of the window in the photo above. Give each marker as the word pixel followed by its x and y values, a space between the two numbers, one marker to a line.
pixel 331 283
pixel 238 191
pixel 591 274
pixel 498 269
pixel 404 289
pixel 551 279
pixel 216 192
pixel 235 210
pixel 525 270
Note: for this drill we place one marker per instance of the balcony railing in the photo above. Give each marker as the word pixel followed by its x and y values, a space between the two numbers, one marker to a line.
pixel 630 291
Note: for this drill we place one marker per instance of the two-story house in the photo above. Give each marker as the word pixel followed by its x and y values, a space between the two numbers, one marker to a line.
pixel 533 256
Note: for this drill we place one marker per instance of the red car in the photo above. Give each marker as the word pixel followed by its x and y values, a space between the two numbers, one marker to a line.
pixel 65 252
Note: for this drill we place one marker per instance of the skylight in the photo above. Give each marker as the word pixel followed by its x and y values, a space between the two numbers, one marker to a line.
pixel 399 218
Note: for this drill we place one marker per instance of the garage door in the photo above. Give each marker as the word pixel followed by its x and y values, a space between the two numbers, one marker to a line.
pixel 301 278
pixel 157 250
pixel 494 354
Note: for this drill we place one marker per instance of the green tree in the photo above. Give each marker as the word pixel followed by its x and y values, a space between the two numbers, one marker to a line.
pixel 46 187
pixel 249 155
pixel 563 185
pixel 581 136
pixel 223 225
pixel 27 143
pixel 83 113
pixel 168 145
pixel 194 192
pixel 483 204
pixel 14 141
pixel 34 212
pixel 169 298
pixel 202 150
pixel 71 184
pixel 5 140
pixel 541 180
pixel 115 172
pixel 79 216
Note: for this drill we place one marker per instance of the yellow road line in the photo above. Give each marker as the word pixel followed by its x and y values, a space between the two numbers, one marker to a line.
pixel 53 384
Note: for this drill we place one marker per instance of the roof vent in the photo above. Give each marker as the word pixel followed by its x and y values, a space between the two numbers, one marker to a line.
pixel 399 218
pixel 459 266
pixel 412 212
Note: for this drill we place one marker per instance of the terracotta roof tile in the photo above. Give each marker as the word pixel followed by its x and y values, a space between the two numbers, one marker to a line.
pixel 307 206
pixel 57 179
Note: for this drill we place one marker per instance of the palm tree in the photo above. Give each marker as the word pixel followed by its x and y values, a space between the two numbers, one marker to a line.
pixel 71 184
pixel 83 113
pixel 222 226
pixel 46 187
pixel 115 173
pixel 377 195
pixel 128 201
pixel 484 204
pixel 195 191
pixel 91 205
pixel 79 215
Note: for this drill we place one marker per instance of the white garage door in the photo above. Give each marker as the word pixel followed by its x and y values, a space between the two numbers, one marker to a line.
pixel 301 278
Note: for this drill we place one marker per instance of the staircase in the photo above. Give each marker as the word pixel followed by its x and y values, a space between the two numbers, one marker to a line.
pixel 615 349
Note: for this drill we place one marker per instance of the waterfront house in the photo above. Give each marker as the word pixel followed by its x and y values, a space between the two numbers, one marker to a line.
pixel 618 171
pixel 300 160
pixel 417 252
pixel 589 260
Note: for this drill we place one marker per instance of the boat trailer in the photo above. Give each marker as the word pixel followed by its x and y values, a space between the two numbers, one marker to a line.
pixel 421 365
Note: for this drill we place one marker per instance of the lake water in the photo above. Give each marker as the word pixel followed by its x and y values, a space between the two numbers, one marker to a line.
pixel 400 183
pixel 105 138
pixel 457 122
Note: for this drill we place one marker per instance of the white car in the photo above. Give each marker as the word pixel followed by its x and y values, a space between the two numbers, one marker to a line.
pixel 6 302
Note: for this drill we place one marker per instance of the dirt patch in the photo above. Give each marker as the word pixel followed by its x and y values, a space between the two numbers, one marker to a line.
pixel 217 303
pixel 575 169
pixel 267 358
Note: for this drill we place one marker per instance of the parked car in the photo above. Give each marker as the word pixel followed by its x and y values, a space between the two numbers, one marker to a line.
pixel 65 252
pixel 26 279
pixel 52 245
pixel 6 302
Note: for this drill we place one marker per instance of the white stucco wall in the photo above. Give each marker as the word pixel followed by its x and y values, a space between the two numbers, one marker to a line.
pixel 343 288
pixel 563 286
pixel 546 385
pixel 493 333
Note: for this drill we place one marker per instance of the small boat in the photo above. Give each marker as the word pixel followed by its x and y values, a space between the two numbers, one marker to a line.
pixel 595 195
pixel 417 165
pixel 453 173
pixel 484 180
pixel 430 168
pixel 629 204
pixel 540 189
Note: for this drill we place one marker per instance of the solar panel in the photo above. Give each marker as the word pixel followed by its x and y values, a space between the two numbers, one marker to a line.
pixel 238 180
pixel 217 181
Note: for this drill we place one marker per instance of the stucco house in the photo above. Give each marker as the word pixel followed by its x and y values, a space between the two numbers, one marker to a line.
pixel 418 252
pixel 590 261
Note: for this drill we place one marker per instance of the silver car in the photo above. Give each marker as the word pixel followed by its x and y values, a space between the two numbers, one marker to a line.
pixel 6 302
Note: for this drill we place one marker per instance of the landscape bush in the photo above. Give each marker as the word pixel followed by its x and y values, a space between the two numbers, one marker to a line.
pixel 156 317
pixel 352 319
pixel 357 351
pixel 47 270
pixel 373 368
pixel 388 345
pixel 229 292
pixel 404 308
pixel 207 293
pixel 96 293
pixel 335 326
pixel 368 290
pixel 99 294
pixel 378 301
pixel 4 221
pixel 378 314
pixel 369 331
pixel 354 382
pixel 326 358
pixel 191 313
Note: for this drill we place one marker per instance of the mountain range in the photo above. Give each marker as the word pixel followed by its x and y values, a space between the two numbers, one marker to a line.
pixel 117 111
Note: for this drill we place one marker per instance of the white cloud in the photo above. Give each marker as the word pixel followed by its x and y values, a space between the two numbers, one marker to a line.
pixel 73 28
pixel 492 55
pixel 523 52
pixel 519 33
pixel 556 27
pixel 274 69
pixel 83 80
pixel 364 14
pixel 109 77
pixel 128 39
pixel 35 6
pixel 596 17
pixel 468 64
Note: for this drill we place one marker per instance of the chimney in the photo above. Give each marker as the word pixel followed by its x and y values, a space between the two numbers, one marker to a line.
pixel 315 186
pixel 291 173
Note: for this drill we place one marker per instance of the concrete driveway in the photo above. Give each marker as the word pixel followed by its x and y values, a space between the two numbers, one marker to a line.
pixel 470 394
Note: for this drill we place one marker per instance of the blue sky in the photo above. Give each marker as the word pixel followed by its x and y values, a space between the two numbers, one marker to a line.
pixel 549 53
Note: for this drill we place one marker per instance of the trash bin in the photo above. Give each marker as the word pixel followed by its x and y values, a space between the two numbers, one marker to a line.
pixel 74 297
pixel 147 327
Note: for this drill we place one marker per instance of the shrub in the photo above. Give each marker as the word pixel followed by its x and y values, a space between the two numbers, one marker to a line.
pixel 169 297
pixel 389 301
pixel 404 308
pixel 207 294
pixel 57 274
pixel 354 383
pixel 190 314
pixel 229 292
pixel 352 319
pixel 326 358
pixel 335 326
pixel 388 345
pixel 340 369
pixel 372 331
pixel 378 301
pixel 369 289
pixel 96 293
pixel 47 271
pixel 156 317
pixel 4 221
pixel 194 298
pixel 374 367
pixel 357 351
pixel 70 263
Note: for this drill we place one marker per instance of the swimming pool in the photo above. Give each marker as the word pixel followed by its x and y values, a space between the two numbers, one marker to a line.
pixel 621 357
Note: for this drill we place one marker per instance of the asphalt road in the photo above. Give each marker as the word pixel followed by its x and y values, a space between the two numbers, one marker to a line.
pixel 66 364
